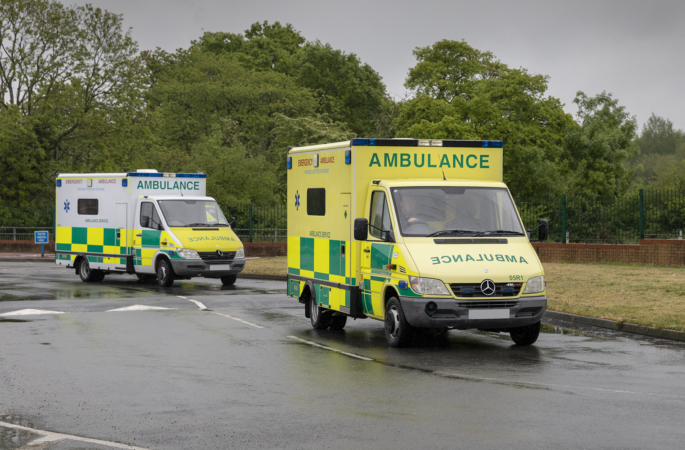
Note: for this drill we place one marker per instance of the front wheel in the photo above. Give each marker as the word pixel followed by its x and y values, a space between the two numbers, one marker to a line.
pixel 525 335
pixel 320 317
pixel 229 280
pixel 397 330
pixel 338 322
pixel 165 274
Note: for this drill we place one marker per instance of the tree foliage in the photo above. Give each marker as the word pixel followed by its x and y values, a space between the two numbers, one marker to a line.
pixel 463 93
pixel 596 152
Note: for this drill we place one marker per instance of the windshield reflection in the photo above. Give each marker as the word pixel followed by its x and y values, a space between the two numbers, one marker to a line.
pixel 192 213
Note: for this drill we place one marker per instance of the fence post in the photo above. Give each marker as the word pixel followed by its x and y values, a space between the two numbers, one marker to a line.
pixel 249 213
pixel 641 207
pixel 14 234
pixel 563 219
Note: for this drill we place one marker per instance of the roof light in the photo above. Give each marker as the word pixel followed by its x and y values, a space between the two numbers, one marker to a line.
pixel 316 160
pixel 430 143
pixel 290 162
pixel 59 183
pixel 348 156
pixel 124 182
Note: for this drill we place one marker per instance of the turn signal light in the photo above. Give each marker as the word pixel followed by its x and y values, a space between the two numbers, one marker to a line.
pixel 391 266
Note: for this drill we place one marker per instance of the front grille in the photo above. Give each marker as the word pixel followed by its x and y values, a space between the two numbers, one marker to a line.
pixel 212 256
pixel 473 290
pixel 487 305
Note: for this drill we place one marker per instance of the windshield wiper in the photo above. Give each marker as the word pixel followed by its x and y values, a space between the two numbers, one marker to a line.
pixel 437 233
pixel 199 224
pixel 483 233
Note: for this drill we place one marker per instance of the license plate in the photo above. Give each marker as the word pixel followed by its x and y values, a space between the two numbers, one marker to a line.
pixel 220 267
pixel 488 314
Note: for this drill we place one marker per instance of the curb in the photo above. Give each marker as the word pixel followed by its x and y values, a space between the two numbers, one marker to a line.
pixel 48 259
pixel 258 276
pixel 618 326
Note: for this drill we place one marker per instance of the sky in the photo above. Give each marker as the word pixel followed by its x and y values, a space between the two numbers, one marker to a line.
pixel 632 49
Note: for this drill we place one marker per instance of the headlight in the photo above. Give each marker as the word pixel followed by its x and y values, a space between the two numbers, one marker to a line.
pixel 535 285
pixel 187 253
pixel 428 286
pixel 240 253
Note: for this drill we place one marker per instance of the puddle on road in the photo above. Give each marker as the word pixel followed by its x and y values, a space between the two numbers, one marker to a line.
pixel 11 438
pixel 553 329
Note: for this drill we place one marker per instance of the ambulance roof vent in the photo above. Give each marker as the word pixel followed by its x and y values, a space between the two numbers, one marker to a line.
pixel 146 171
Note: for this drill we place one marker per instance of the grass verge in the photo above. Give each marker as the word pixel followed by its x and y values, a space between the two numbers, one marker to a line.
pixel 644 295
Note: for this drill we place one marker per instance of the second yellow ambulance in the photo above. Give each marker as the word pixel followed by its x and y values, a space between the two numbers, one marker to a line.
pixel 415 233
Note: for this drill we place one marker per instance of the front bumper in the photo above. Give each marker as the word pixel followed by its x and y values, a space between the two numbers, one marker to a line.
pixel 200 268
pixel 455 313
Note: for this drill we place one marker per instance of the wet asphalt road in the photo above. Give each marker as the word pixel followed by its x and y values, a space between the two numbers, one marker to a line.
pixel 184 378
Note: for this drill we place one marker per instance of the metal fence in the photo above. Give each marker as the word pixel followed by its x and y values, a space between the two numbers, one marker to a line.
pixel 647 214
pixel 652 214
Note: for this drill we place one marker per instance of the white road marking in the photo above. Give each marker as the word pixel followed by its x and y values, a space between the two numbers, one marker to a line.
pixel 30 312
pixel 351 355
pixel 199 304
pixel 140 308
pixel 55 437
pixel 240 320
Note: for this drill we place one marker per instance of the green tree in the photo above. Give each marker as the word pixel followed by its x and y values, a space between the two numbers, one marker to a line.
pixel 71 83
pixel 463 93
pixel 596 152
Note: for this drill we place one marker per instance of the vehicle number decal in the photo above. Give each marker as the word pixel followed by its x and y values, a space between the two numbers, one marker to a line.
pixel 516 277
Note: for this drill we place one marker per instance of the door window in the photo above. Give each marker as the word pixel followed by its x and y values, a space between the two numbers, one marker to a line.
pixel 380 215
pixel 149 218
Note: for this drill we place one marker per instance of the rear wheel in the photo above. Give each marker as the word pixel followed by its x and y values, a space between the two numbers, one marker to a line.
pixel 87 274
pixel 320 317
pixel 525 335
pixel 338 322
pixel 229 280
pixel 397 330
pixel 165 274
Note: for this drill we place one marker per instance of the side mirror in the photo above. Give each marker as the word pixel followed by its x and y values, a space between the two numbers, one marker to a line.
pixel 232 222
pixel 361 229
pixel 543 233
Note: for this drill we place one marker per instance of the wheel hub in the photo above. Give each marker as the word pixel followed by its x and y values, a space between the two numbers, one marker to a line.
pixel 392 322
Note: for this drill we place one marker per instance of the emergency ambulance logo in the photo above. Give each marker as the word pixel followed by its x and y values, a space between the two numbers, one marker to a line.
pixel 66 206
pixel 297 200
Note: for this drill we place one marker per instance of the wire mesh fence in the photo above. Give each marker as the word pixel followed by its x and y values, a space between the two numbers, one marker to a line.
pixel 653 213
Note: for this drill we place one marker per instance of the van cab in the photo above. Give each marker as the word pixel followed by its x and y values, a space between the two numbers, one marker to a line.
pixel 420 234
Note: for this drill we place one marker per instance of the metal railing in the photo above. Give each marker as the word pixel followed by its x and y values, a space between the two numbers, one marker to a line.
pixel 23 233
pixel 650 213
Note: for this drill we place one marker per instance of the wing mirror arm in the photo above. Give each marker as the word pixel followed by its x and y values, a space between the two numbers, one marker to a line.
pixel 543 226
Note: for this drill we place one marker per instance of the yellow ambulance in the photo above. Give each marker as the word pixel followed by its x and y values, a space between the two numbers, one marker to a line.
pixel 155 225
pixel 421 234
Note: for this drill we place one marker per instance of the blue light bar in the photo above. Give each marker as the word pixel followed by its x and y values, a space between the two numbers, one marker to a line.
pixel 160 175
pixel 494 144
pixel 402 284
pixel 290 162
pixel 348 156
pixel 124 182
pixel 59 183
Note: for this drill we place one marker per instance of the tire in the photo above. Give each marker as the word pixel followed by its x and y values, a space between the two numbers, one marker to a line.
pixel 84 271
pixel 398 332
pixel 99 275
pixel 338 322
pixel 525 335
pixel 229 280
pixel 145 278
pixel 319 317
pixel 165 273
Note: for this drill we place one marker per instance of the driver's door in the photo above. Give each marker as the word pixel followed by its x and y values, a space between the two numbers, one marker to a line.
pixel 147 236
pixel 376 254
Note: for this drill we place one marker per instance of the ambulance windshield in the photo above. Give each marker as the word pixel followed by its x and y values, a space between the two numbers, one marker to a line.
pixel 455 211
pixel 192 213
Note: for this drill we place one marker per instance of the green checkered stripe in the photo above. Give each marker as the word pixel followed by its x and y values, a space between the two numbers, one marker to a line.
pixel 78 238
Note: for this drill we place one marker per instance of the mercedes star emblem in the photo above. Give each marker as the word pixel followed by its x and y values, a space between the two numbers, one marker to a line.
pixel 487 287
